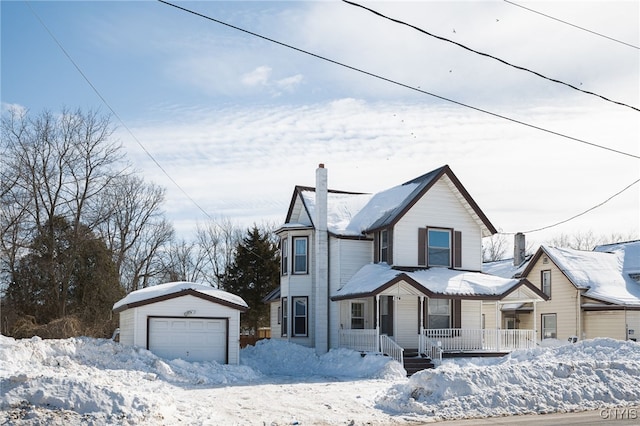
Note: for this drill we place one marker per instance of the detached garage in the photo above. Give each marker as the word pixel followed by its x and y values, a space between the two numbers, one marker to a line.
pixel 185 320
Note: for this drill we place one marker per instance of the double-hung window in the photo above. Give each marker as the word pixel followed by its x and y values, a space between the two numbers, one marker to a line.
pixel 300 263
pixel 357 315
pixel 545 280
pixel 439 247
pixel 439 315
pixel 284 256
pixel 549 326
pixel 384 246
pixel 299 316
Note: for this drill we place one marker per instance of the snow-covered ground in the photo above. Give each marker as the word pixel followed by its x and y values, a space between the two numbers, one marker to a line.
pixel 93 381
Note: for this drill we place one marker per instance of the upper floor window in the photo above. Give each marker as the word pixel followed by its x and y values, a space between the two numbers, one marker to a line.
pixel 545 280
pixel 439 247
pixel 284 256
pixel 300 255
pixel 384 246
pixel 285 316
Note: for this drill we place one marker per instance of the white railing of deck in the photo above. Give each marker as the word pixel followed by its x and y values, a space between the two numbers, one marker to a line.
pixel 479 340
pixel 391 348
pixel 433 351
pixel 359 340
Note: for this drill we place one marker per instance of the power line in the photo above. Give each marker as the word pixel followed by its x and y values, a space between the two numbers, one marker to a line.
pixel 573 25
pixel 397 83
pixel 487 55
pixel 115 114
pixel 579 214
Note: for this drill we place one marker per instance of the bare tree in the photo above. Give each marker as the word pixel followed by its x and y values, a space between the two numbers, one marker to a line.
pixel 135 229
pixel 587 240
pixel 494 248
pixel 217 241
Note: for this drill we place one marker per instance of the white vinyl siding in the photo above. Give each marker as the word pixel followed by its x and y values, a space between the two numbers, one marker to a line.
pixel 564 303
pixel 471 314
pixel 439 207
pixel 177 306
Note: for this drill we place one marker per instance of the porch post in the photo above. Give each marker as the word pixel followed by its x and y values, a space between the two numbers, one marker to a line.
pixel 498 326
pixel 377 322
pixel 535 323
pixel 421 338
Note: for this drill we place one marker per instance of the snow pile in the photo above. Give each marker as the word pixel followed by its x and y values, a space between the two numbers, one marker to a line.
pixel 587 375
pixel 95 381
pixel 275 357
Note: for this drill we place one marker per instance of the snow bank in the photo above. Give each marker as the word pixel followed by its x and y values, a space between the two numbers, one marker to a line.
pixel 275 357
pixel 587 375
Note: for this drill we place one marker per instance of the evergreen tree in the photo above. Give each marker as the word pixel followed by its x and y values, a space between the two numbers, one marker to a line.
pixel 66 272
pixel 254 272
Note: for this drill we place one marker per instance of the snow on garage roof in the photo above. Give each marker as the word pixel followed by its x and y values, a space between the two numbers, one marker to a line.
pixel 175 289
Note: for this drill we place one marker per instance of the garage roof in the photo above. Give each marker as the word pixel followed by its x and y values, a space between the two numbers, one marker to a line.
pixel 167 291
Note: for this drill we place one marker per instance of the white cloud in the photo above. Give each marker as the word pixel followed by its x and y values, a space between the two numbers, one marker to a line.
pixel 258 77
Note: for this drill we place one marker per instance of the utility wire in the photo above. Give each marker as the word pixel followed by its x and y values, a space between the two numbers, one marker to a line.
pixel 397 21
pixel 97 92
pixel 573 25
pixel 397 83
pixel 579 214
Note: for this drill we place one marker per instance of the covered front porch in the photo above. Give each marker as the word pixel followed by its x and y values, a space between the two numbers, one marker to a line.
pixel 403 317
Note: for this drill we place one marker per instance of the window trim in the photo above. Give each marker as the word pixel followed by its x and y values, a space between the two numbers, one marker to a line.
pixel 449 232
pixel 449 313
pixel 295 256
pixel 384 246
pixel 284 256
pixel 295 316
pixel 542 281
pixel 542 325
pixel 362 304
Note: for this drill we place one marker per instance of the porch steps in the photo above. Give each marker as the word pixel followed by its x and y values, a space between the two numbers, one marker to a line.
pixel 413 362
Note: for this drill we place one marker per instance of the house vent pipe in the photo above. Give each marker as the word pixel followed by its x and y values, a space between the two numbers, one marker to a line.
pixel 518 249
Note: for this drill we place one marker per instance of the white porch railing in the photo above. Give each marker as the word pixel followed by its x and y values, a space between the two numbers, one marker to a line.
pixel 480 340
pixel 391 348
pixel 359 340
pixel 432 350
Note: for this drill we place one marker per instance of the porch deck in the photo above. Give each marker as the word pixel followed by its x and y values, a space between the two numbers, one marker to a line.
pixel 439 343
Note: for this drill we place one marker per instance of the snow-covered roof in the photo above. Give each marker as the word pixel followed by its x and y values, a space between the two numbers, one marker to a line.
pixel 341 209
pixel 504 268
pixel 351 214
pixel 601 274
pixel 174 289
pixel 631 249
pixel 374 277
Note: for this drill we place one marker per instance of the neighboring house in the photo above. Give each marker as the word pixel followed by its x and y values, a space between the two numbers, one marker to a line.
pixel 591 293
pixel 392 271
pixel 184 320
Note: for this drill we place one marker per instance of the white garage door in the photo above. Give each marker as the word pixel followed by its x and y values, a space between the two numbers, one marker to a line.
pixel 191 339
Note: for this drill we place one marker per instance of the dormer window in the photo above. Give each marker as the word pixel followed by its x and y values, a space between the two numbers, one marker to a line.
pixel 439 247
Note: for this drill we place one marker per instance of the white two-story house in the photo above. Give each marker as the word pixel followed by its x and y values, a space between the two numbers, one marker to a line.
pixel 392 271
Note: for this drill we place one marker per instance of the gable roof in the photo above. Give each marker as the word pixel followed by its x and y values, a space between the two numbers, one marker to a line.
pixel 600 274
pixel 374 278
pixel 352 214
pixel 172 290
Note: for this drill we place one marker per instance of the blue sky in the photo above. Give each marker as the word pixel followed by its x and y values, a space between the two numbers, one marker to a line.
pixel 237 121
